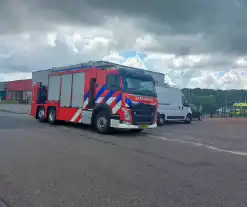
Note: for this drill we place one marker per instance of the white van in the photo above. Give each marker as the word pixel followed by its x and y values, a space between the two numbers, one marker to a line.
pixel 172 106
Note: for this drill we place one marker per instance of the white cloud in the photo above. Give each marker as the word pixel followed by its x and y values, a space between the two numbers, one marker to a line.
pixel 14 76
pixel 22 53
pixel 242 61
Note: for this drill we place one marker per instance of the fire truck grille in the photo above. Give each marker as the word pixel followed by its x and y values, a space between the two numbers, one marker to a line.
pixel 143 114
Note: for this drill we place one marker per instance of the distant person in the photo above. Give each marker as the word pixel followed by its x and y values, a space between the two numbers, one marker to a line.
pixel 211 114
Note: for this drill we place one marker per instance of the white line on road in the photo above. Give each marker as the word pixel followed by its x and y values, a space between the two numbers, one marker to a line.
pixel 2 204
pixel 199 145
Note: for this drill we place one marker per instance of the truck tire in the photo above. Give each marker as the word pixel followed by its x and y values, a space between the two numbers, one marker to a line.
pixel 101 122
pixel 161 120
pixel 188 119
pixel 52 116
pixel 41 114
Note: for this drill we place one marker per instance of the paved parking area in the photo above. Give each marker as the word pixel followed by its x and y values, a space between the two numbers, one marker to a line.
pixel 219 133
pixel 15 108
pixel 202 164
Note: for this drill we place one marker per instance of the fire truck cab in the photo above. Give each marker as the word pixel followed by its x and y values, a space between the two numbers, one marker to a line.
pixel 103 95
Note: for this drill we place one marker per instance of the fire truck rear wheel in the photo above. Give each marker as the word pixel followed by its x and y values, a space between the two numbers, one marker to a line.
pixel 52 116
pixel 102 122
pixel 41 114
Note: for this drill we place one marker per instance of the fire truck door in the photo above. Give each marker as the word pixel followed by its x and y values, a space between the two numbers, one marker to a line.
pixel 87 114
pixel 92 98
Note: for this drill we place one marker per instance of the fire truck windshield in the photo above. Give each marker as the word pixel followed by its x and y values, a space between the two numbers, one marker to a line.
pixel 139 86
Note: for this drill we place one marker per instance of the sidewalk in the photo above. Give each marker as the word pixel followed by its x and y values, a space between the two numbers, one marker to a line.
pixel 15 108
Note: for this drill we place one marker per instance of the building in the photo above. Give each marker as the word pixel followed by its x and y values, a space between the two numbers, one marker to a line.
pixel 2 91
pixel 18 90
pixel 42 75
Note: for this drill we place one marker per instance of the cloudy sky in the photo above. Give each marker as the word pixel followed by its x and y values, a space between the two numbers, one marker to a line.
pixel 196 43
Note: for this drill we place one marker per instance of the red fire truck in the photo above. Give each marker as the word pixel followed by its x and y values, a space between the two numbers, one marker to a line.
pixel 105 95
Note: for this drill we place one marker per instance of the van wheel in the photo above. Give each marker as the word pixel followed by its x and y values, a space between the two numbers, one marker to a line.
pixel 102 122
pixel 188 119
pixel 161 120
pixel 52 116
pixel 41 114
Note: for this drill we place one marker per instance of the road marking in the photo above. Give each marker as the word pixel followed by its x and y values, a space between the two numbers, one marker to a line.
pixel 2 204
pixel 197 144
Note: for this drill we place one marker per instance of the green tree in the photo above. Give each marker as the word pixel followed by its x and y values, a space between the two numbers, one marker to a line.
pixel 212 100
pixel 208 103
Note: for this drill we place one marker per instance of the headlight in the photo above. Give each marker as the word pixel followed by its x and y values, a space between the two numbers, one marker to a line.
pixel 126 114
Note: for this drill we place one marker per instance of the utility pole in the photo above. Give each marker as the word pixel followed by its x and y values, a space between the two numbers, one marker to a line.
pixel 225 107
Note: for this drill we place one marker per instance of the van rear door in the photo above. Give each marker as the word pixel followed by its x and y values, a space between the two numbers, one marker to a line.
pixel 168 102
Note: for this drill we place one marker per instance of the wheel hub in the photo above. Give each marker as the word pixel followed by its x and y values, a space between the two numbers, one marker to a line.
pixel 51 116
pixel 101 122
pixel 41 113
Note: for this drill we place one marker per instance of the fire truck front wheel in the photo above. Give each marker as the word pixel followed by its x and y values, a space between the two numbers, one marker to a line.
pixel 102 122
pixel 52 116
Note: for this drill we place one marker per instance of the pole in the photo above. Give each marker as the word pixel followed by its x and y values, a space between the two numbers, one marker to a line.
pixel 226 106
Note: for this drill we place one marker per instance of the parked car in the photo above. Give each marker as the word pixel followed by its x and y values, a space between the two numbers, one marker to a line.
pixel 196 114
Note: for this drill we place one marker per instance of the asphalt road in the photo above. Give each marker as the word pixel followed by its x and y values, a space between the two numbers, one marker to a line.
pixel 202 164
